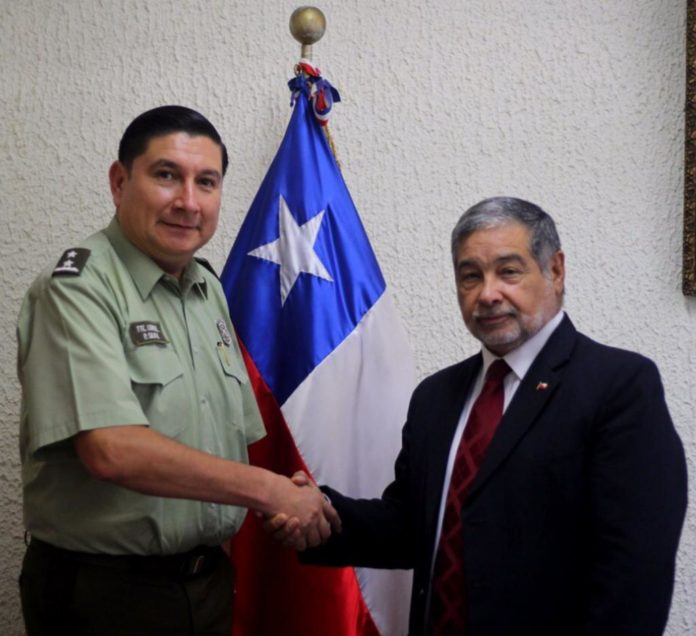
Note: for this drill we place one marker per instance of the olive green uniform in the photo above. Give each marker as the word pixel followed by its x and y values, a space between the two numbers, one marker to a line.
pixel 107 339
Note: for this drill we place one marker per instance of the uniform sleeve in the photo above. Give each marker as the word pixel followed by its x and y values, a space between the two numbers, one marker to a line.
pixel 71 361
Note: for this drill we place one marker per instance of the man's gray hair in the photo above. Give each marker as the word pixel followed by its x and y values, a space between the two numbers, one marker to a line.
pixel 497 211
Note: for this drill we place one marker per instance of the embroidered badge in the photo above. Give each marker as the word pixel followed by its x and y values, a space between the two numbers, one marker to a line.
pixel 146 332
pixel 224 332
pixel 72 262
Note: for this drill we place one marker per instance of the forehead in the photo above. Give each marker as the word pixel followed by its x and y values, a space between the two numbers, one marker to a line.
pixel 510 239
pixel 196 151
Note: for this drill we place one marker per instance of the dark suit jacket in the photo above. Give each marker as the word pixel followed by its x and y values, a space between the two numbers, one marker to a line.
pixel 572 523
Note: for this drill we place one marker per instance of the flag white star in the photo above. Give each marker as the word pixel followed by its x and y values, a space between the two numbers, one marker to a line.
pixel 293 250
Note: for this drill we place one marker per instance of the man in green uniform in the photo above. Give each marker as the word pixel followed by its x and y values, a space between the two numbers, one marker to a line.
pixel 137 409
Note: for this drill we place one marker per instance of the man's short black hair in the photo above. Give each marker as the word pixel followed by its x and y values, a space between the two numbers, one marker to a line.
pixel 165 120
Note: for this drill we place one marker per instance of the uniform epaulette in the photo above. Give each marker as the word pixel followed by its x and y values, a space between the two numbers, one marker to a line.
pixel 204 261
pixel 72 262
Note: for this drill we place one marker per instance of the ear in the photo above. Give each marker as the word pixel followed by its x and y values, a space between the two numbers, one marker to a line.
pixel 118 175
pixel 557 269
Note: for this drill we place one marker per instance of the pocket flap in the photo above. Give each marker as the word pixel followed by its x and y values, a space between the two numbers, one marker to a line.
pixel 230 364
pixel 153 364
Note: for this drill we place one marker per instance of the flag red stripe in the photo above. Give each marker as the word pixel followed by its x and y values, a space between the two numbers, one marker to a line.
pixel 275 590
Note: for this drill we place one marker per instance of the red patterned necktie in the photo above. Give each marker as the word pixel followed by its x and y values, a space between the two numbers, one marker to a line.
pixel 447 600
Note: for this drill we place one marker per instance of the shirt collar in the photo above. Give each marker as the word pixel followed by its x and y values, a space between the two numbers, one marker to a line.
pixel 194 276
pixel 520 359
pixel 144 271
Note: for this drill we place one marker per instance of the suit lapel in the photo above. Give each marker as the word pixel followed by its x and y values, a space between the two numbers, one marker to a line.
pixel 532 395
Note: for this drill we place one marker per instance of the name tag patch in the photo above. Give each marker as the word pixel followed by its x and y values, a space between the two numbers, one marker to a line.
pixel 146 332
pixel 72 262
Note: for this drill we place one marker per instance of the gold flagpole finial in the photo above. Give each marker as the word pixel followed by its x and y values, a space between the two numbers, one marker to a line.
pixel 307 25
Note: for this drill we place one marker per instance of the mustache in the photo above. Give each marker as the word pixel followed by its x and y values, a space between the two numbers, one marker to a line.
pixel 497 313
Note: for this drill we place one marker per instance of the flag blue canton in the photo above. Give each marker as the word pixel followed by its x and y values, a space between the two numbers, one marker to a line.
pixel 288 336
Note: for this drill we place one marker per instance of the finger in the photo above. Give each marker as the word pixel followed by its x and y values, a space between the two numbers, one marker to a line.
pixel 332 516
pixel 275 522
pixel 295 539
pixel 287 536
pixel 291 528
pixel 300 478
pixel 296 543
pixel 313 536
pixel 324 530
pixel 280 531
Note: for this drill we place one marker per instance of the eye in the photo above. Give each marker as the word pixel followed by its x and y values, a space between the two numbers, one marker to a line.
pixel 209 183
pixel 510 272
pixel 164 174
pixel 468 279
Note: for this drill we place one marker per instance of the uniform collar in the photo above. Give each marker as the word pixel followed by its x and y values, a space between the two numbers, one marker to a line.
pixel 145 272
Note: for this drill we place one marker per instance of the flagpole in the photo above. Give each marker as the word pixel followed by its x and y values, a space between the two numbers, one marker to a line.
pixel 307 26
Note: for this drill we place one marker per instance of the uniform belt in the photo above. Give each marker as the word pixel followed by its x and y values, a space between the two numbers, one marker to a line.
pixel 197 562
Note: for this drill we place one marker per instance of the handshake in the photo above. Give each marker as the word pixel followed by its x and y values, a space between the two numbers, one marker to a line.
pixel 307 518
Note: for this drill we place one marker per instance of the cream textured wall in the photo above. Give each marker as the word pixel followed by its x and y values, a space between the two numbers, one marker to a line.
pixel 576 105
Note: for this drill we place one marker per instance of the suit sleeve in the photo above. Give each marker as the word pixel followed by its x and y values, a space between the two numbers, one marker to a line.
pixel 637 495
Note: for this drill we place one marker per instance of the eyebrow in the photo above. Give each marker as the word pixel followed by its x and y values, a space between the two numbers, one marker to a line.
pixel 166 163
pixel 500 260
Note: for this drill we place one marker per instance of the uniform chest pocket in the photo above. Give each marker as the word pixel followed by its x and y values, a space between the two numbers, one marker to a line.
pixel 157 381
pixel 230 364
pixel 234 379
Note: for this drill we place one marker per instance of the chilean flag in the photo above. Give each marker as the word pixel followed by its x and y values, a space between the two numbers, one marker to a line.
pixel 332 372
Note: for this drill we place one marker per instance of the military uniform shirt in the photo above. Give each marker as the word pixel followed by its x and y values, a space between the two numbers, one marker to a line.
pixel 116 341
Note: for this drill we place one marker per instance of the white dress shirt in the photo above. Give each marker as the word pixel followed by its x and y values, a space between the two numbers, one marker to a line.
pixel 519 361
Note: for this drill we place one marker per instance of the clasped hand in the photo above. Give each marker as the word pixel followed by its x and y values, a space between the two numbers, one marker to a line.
pixel 307 519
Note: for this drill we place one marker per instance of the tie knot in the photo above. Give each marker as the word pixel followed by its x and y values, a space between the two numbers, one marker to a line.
pixel 497 371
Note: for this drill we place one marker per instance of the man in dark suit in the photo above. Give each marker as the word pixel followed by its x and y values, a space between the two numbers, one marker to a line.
pixel 570 519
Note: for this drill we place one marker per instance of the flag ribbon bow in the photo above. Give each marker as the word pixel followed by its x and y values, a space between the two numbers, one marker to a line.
pixel 321 93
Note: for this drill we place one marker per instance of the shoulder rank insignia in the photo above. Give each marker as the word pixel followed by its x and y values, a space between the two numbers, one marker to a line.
pixel 146 332
pixel 72 262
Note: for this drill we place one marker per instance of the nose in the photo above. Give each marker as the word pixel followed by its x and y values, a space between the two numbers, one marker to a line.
pixel 187 199
pixel 490 291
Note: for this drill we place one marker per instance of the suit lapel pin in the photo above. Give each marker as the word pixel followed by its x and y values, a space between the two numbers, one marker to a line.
pixel 542 386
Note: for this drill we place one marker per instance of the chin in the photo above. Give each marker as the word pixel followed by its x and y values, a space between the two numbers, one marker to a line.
pixel 501 344
pixel 179 247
